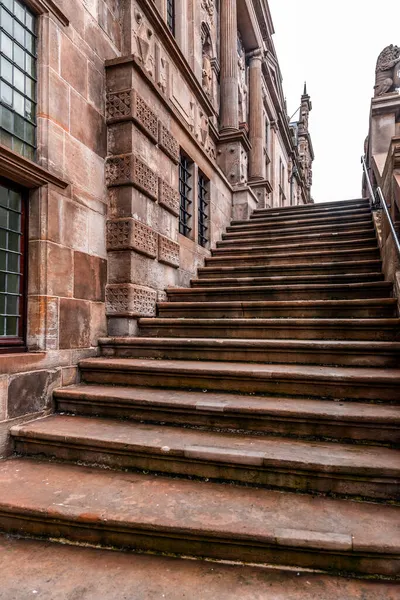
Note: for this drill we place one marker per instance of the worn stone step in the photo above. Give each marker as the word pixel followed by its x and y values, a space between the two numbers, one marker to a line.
pixel 374 308
pixel 304 268
pixel 328 206
pixel 282 379
pixel 351 239
pixel 350 213
pixel 367 471
pixel 75 570
pixel 160 514
pixel 296 417
pixel 259 231
pixel 262 256
pixel 289 328
pixel 298 279
pixel 301 221
pixel 320 291
pixel 289 351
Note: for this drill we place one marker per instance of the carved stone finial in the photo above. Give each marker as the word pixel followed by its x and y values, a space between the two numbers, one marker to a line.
pixel 387 76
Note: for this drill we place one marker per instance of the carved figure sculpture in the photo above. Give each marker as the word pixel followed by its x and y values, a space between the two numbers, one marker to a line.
pixel 243 90
pixel 385 70
pixel 206 75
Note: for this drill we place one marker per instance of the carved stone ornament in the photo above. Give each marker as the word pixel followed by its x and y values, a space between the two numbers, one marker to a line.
pixel 168 251
pixel 168 197
pixel 243 88
pixel 127 104
pixel 127 299
pixel 168 143
pixel 130 234
pixel 387 72
pixel 144 43
pixel 128 169
pixel 208 6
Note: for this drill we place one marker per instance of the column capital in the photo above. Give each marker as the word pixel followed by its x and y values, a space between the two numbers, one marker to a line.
pixel 254 55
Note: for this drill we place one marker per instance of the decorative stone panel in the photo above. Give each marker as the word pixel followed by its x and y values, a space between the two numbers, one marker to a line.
pixel 168 197
pixel 126 169
pixel 127 299
pixel 128 104
pixel 168 251
pixel 129 234
pixel 168 143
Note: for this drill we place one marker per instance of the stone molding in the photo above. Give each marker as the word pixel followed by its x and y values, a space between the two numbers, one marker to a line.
pixel 128 299
pixel 25 171
pixel 41 7
pixel 130 234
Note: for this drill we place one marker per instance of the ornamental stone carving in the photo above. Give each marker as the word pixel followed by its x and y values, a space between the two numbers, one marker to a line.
pixel 129 169
pixel 168 251
pixel 128 299
pixel 387 72
pixel 127 104
pixel 168 197
pixel 168 143
pixel 243 88
pixel 129 234
pixel 207 73
pixel 208 6
pixel 143 47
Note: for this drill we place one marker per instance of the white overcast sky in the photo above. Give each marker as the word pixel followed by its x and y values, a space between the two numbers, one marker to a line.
pixel 334 47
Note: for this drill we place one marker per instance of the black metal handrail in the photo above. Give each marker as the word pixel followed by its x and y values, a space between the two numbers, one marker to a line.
pixel 378 201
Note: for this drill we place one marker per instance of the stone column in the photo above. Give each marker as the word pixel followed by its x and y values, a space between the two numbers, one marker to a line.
pixel 229 67
pixel 257 126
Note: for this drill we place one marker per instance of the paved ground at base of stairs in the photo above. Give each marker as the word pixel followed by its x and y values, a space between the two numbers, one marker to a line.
pixel 42 570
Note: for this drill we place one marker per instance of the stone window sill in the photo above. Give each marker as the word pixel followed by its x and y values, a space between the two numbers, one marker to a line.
pixel 27 173
pixel 41 7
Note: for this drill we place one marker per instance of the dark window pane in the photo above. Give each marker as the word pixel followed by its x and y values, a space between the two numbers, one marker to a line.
pixel 12 305
pixel 13 262
pixel 6 139
pixel 3 217
pixel 12 284
pixel 13 241
pixel 3 197
pixel 30 87
pixel 29 152
pixel 3 260
pixel 14 200
pixel 19 126
pixel 3 238
pixel 18 145
pixel 29 133
pixel 2 326
pixel 2 281
pixel 2 305
pixel 6 118
pixel 11 326
pixel 14 221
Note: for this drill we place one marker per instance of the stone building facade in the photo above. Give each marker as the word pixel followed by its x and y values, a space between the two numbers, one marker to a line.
pixel 131 133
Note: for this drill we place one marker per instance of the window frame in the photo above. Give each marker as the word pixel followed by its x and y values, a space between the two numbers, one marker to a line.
pixel 186 195
pixel 18 343
pixel 170 15
pixel 203 209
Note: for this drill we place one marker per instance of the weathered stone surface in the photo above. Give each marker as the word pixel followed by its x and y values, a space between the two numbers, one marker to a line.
pixel 88 125
pixel 31 392
pixel 69 376
pixel 168 197
pixel 127 168
pixel 124 234
pixel 168 251
pixel 128 104
pixel 130 299
pixel 90 275
pixel 74 323
pixel 73 66
pixel 3 396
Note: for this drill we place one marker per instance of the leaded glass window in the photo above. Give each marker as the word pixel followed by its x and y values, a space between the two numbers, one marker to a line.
pixel 11 265
pixel 17 78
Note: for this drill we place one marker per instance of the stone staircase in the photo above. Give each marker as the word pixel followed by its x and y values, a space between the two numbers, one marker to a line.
pixel 256 419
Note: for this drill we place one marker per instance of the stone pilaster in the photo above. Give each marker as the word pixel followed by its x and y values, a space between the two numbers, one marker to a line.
pixel 256 154
pixel 229 118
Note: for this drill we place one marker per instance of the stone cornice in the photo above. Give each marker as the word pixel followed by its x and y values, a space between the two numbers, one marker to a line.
pixel 41 7
pixel 235 136
pixel 25 172
pixel 176 54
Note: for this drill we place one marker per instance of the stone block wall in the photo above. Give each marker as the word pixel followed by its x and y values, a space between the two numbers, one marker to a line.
pixel 67 258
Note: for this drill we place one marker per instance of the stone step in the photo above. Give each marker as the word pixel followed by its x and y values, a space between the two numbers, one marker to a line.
pixel 350 213
pixel 263 256
pixel 289 351
pixel 289 328
pixel 258 230
pixel 159 514
pixel 345 469
pixel 352 239
pixel 320 291
pixel 375 308
pixel 328 206
pixel 26 564
pixel 304 268
pixel 296 417
pixel 308 279
pixel 299 221
pixel 354 383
